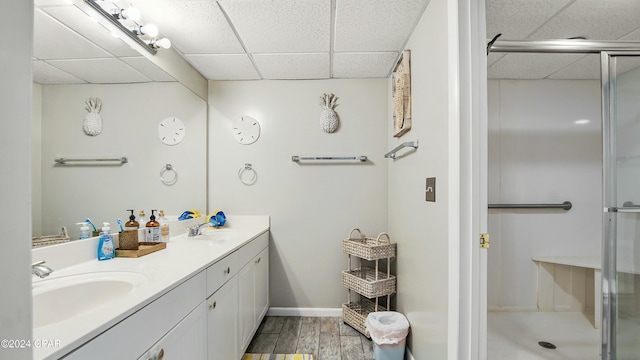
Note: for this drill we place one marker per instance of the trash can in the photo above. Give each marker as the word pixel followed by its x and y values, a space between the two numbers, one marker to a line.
pixel 388 330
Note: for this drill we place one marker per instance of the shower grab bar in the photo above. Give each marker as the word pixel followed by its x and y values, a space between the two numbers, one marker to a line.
pixel 68 161
pixel 297 158
pixel 392 154
pixel 565 205
pixel 627 207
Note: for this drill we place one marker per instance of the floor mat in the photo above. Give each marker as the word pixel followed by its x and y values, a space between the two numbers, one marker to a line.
pixel 277 357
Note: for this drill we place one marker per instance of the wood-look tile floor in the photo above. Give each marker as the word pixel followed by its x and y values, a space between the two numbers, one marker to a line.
pixel 327 338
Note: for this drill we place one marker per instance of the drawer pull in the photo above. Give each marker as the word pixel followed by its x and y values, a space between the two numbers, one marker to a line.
pixel 258 260
pixel 227 270
pixel 213 305
pixel 161 354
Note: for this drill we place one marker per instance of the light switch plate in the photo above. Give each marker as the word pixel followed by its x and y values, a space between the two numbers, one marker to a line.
pixel 430 190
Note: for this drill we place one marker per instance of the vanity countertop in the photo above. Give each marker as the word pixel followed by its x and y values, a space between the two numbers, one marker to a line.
pixel 165 269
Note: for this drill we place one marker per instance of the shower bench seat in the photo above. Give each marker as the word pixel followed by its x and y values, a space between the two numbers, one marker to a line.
pixel 547 281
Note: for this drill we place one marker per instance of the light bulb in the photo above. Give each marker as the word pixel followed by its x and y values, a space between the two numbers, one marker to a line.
pixel 131 13
pixel 150 30
pixel 163 43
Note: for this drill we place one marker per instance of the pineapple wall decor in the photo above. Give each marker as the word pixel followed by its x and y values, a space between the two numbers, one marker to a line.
pixel 93 122
pixel 328 118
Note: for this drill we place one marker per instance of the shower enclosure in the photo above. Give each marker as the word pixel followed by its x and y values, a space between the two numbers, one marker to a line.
pixel 620 80
pixel 621 196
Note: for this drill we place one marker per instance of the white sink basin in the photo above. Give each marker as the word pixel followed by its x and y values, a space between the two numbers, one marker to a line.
pixel 217 235
pixel 59 299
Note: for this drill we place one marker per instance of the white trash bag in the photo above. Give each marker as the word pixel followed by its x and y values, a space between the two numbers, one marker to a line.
pixel 387 327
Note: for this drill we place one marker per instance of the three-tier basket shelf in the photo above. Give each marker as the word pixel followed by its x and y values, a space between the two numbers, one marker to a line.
pixel 369 282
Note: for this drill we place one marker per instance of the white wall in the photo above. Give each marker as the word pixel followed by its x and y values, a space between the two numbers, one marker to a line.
pixel 312 206
pixel 130 115
pixel 538 155
pixel 426 232
pixel 36 160
pixel 15 183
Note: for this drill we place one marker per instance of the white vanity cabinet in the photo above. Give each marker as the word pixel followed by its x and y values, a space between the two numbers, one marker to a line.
pixel 253 291
pixel 187 340
pixel 211 315
pixel 222 322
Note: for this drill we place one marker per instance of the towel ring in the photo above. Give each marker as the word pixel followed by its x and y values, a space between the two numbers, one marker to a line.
pixel 163 172
pixel 243 178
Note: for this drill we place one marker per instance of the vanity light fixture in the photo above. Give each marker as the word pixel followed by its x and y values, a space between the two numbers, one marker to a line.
pixel 128 13
pixel 127 21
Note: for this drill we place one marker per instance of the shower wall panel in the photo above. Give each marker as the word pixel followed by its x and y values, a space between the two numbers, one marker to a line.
pixel 544 147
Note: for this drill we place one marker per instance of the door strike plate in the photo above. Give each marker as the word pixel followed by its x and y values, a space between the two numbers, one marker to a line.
pixel 484 241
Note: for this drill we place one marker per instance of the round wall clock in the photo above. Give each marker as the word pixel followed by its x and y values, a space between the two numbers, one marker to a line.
pixel 246 130
pixel 171 130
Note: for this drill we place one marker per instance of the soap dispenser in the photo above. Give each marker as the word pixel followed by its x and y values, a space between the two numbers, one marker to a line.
pixel 153 229
pixel 141 217
pixel 132 224
pixel 164 226
pixel 106 249
pixel 85 231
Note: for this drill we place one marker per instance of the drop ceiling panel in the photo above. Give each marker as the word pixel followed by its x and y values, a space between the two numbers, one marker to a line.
pixel 52 2
pixel 594 19
pixel 586 68
pixel 518 19
pixel 148 68
pixel 44 73
pixel 78 21
pixel 363 65
pixel 297 26
pixel 530 66
pixel 224 67
pixel 194 27
pixel 101 71
pixel 379 25
pixel 293 66
pixel 52 40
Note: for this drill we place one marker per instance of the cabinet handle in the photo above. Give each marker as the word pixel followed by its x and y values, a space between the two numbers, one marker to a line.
pixel 227 270
pixel 160 354
pixel 258 261
pixel 213 305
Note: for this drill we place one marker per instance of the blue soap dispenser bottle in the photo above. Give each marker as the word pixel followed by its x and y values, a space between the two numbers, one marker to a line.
pixel 106 249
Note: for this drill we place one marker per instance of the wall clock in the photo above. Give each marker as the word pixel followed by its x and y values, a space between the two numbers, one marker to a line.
pixel 171 130
pixel 246 130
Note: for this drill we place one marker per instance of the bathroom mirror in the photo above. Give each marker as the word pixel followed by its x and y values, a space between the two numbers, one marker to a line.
pixel 75 59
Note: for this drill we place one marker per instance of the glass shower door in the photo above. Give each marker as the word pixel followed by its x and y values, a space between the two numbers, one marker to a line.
pixel 621 247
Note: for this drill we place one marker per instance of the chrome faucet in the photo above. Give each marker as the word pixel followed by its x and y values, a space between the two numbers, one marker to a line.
pixel 40 269
pixel 196 230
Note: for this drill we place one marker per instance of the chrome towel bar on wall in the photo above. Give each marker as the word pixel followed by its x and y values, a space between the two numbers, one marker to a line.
pixel 565 205
pixel 392 154
pixel 97 161
pixel 297 158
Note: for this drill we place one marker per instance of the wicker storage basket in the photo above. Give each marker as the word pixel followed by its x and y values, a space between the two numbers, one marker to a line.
pixel 369 248
pixel 63 237
pixel 355 313
pixel 367 282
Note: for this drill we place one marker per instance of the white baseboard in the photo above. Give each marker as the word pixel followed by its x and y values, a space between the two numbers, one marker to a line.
pixel 312 312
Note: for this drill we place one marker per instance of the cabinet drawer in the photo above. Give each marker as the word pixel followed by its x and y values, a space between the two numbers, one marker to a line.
pixel 253 248
pixel 220 272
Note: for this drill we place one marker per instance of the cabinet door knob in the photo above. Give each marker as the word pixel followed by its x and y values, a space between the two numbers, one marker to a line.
pixel 227 270
pixel 161 354
pixel 213 305
pixel 258 260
